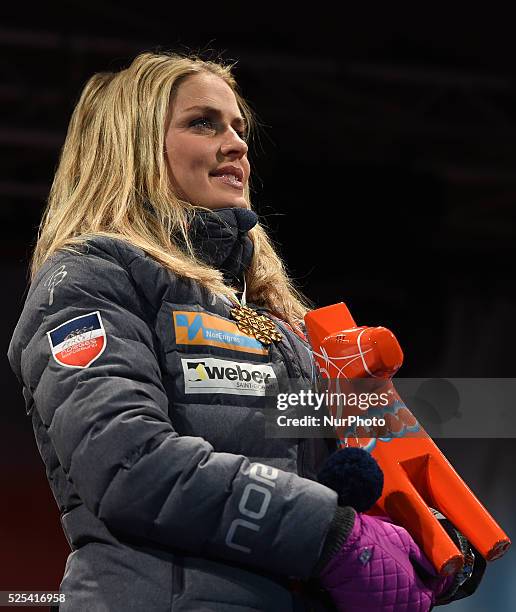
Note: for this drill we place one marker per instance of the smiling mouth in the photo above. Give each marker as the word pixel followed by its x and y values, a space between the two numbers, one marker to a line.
pixel 230 180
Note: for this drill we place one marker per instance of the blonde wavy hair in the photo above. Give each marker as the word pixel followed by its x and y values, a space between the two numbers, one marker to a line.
pixel 112 181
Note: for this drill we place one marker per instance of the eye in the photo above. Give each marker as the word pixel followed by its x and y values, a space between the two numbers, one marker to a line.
pixel 208 124
pixel 203 120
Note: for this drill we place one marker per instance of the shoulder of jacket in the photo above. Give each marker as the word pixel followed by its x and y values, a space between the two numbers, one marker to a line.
pixel 96 247
pixel 117 249
pixel 114 250
pixel 101 253
pixel 102 266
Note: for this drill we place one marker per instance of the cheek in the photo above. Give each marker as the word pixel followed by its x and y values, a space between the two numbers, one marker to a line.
pixel 247 168
pixel 191 158
pixel 176 168
pixel 170 155
pixel 189 167
pixel 179 159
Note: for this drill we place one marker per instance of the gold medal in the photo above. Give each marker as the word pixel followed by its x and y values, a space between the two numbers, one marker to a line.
pixel 254 324
pixel 250 322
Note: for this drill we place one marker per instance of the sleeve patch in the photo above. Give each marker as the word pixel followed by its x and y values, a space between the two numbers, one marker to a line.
pixel 78 342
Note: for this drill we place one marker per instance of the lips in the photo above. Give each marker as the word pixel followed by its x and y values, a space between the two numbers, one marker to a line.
pixel 232 176
pixel 229 171
pixel 230 180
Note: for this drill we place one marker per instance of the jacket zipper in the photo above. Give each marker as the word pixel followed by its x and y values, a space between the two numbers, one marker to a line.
pixel 301 444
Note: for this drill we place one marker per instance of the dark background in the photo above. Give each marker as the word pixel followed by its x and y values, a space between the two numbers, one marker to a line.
pixel 385 172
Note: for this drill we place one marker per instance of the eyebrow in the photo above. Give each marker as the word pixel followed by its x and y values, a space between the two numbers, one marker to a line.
pixel 210 109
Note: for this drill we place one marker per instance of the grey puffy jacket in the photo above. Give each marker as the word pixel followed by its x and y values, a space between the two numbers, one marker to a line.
pixel 145 404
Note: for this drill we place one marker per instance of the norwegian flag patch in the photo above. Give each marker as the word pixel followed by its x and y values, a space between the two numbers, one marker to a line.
pixel 79 341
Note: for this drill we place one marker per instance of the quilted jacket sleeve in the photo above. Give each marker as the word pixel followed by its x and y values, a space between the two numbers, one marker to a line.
pixel 109 425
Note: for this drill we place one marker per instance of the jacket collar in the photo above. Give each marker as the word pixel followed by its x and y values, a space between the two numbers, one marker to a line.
pixel 220 238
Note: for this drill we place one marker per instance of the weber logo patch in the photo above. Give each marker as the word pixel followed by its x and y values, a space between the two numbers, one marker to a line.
pixel 79 341
pixel 208 375
pixel 196 328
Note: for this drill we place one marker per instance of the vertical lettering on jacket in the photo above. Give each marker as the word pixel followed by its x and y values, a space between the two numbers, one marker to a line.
pixel 253 505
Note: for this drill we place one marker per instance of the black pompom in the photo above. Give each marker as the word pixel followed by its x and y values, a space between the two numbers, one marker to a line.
pixel 356 477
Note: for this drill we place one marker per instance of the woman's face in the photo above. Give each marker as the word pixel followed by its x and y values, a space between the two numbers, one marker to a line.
pixel 204 145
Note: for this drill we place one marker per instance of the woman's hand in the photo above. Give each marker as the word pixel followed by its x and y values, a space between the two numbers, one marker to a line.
pixel 380 567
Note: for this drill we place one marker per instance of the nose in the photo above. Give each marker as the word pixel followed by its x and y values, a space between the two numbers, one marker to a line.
pixel 234 146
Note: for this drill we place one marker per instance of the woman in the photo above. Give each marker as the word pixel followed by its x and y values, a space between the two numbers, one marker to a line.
pixel 145 395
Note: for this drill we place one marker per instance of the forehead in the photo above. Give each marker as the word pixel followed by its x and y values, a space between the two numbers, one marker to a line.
pixel 205 90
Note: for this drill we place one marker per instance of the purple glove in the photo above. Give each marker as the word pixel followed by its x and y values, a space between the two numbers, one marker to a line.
pixel 380 567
